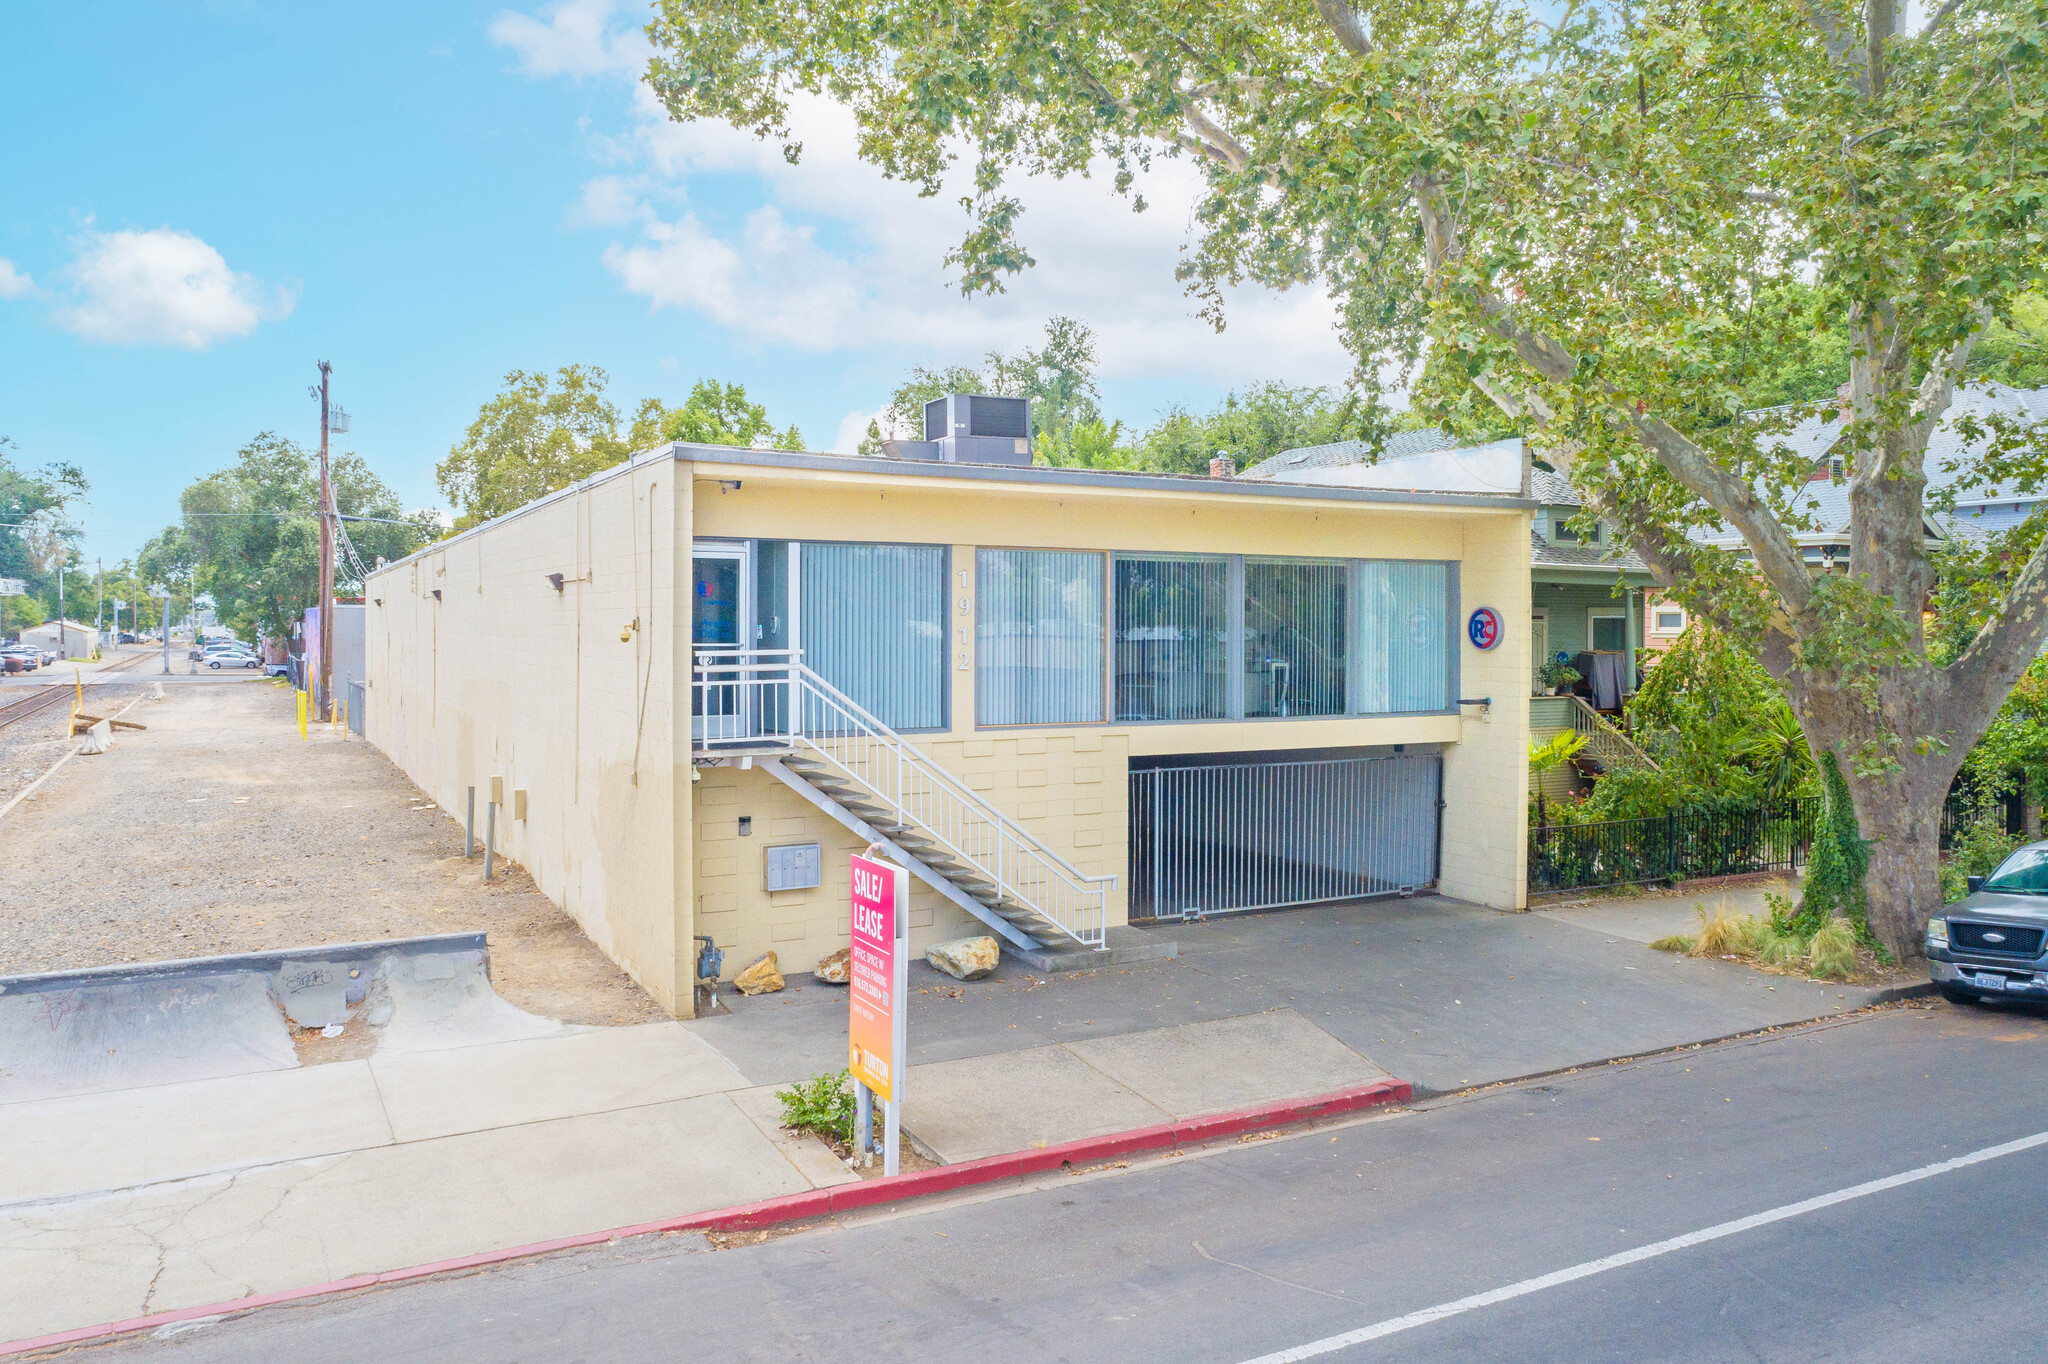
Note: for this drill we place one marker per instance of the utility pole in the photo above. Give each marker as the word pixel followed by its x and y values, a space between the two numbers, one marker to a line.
pixel 99 597
pixel 63 635
pixel 326 696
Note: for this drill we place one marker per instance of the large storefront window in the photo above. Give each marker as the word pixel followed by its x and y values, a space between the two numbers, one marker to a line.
pixel 1294 638
pixel 873 625
pixel 1172 639
pixel 1039 637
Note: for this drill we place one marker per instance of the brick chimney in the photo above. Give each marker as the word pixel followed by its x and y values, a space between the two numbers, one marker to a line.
pixel 1223 466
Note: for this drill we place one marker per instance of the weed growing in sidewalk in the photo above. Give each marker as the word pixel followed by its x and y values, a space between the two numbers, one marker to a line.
pixel 822 1104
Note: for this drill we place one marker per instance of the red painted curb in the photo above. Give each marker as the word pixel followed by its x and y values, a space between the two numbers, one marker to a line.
pixel 814 1203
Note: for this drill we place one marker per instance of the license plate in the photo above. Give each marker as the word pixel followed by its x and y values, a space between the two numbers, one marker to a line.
pixel 1989 982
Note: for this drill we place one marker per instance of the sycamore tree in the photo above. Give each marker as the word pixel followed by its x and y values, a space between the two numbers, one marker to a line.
pixel 1570 213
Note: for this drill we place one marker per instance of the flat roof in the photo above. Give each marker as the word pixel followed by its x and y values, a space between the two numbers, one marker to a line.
pixel 1033 475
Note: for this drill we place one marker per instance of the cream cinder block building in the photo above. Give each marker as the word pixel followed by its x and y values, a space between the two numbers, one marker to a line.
pixel 1071 701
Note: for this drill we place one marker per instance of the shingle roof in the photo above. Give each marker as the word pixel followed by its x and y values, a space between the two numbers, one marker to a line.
pixel 1351 452
pixel 1543 554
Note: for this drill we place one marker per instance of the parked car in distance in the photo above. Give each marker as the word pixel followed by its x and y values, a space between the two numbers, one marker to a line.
pixel 1993 943
pixel 277 669
pixel 15 663
pixel 232 658
pixel 127 638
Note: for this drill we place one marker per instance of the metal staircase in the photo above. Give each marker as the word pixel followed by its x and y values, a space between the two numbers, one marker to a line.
pixel 763 707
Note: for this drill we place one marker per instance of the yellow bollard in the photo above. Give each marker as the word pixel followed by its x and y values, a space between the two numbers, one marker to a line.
pixel 302 713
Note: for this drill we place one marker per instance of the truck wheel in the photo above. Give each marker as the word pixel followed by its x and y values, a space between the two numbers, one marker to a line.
pixel 1956 994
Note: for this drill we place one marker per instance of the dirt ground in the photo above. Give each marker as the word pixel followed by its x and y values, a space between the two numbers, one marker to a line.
pixel 219 830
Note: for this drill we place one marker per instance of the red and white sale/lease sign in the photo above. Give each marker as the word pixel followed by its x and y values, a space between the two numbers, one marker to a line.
pixel 871 1031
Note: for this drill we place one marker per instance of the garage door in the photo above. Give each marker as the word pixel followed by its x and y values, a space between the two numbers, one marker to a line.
pixel 1266 831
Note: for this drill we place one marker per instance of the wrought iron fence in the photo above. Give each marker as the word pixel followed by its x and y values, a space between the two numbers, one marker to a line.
pixel 1674 847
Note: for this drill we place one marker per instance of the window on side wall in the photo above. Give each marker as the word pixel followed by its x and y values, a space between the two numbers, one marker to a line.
pixel 1562 530
pixel 1039 637
pixel 1670 620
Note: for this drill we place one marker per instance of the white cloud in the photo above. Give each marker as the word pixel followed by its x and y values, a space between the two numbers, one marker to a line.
pixel 853 429
pixel 830 256
pixel 572 38
pixel 13 283
pixel 162 287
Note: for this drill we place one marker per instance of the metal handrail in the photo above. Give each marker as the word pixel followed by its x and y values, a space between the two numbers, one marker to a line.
pixel 771 696
pixel 1601 735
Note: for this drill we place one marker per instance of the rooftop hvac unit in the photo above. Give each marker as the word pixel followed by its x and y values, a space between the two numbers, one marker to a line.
pixel 973 428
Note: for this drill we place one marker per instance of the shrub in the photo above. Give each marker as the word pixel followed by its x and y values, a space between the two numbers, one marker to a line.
pixel 822 1104
pixel 1730 935
pixel 1676 942
pixel 1834 873
pixel 1784 950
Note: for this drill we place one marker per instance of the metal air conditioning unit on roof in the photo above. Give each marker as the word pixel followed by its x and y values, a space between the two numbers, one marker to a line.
pixel 973 428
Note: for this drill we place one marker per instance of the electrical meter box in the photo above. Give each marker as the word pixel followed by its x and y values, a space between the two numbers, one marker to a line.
pixel 795 866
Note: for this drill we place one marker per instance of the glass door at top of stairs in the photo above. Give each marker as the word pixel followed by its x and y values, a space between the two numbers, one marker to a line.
pixel 721 619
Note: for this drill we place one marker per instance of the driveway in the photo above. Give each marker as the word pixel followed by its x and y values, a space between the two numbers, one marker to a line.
pixel 1441 993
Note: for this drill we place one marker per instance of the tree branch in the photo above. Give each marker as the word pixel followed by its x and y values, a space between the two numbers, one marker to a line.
pixel 1345 23
pixel 1840 46
pixel 1780 561
pixel 1979 681
pixel 1941 16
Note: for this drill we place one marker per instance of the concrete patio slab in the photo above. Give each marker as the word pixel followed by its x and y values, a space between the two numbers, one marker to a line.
pixel 964 1110
pixel 468 1089
pixel 1231 1063
pixel 137 1136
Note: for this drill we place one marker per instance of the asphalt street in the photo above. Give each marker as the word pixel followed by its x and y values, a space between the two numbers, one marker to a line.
pixel 1289 1248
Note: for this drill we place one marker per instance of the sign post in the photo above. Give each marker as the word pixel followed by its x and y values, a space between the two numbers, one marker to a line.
pixel 879 975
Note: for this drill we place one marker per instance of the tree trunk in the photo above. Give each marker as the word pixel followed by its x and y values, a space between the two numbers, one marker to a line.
pixel 1904 881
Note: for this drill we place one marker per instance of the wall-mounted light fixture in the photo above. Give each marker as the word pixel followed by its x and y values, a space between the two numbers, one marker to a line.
pixel 555 581
pixel 437 594
pixel 728 485
pixel 378 600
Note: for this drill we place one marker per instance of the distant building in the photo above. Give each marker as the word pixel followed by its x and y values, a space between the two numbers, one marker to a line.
pixel 72 640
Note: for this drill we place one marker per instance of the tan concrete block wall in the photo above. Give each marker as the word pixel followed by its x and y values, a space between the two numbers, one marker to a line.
pixel 1486 773
pixel 565 695
pixel 1068 790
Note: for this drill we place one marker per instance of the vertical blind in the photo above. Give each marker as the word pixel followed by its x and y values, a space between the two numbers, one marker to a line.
pixel 1294 628
pixel 1172 639
pixel 873 620
pixel 1404 648
pixel 1039 637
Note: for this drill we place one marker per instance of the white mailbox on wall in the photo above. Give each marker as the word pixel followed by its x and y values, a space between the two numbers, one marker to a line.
pixel 795 866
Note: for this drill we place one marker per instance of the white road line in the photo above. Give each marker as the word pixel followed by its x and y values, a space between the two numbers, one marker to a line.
pixel 1395 1325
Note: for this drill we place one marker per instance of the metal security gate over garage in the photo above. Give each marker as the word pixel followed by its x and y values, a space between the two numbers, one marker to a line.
pixel 1263 831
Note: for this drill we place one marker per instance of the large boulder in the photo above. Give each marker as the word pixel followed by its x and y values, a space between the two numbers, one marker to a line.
pixel 964 958
pixel 764 977
pixel 836 969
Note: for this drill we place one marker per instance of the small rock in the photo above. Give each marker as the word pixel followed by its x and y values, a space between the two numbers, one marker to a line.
pixel 835 969
pixel 764 977
pixel 963 958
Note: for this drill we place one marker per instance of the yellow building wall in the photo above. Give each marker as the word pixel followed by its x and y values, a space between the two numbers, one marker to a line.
pixel 1069 784
pixel 1486 772
pixel 566 695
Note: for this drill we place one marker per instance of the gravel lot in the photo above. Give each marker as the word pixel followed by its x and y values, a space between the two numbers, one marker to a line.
pixel 219 830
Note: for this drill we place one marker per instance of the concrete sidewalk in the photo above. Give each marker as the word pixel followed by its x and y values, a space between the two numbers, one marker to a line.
pixel 118 1204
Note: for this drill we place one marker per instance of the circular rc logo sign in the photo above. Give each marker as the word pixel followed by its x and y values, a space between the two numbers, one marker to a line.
pixel 1484 628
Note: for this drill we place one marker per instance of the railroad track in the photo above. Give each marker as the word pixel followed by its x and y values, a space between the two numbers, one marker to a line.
pixel 54 694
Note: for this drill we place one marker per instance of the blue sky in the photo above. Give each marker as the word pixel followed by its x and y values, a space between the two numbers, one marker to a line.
pixel 202 199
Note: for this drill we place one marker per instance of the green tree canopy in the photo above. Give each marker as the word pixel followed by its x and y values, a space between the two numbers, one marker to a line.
pixel 1566 209
pixel 542 433
pixel 38 536
pixel 250 536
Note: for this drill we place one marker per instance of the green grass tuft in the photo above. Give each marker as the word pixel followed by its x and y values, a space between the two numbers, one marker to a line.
pixel 1676 942
pixel 1832 953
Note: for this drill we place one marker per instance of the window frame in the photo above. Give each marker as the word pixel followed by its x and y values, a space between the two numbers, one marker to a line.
pixel 1657 614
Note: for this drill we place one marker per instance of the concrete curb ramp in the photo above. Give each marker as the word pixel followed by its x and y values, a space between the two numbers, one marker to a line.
pixel 804 1206
pixel 123 1027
